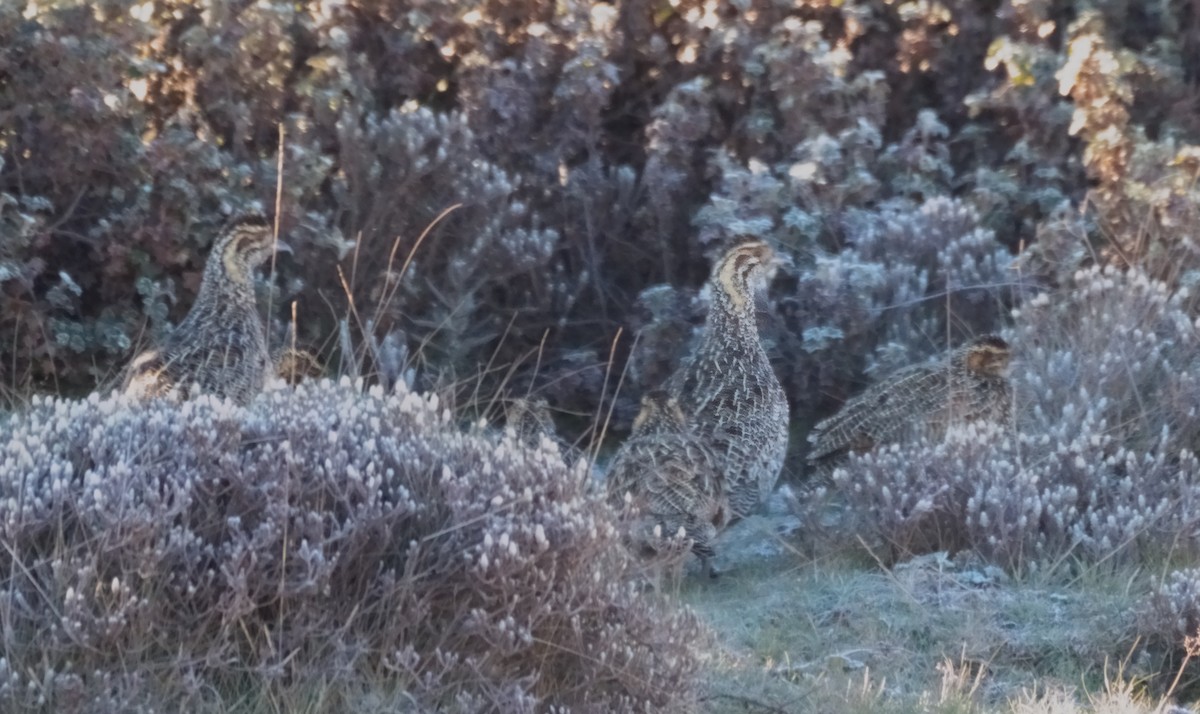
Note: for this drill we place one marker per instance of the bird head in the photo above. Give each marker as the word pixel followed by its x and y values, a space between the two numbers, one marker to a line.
pixel 988 356
pixel 743 270
pixel 247 244
pixel 659 411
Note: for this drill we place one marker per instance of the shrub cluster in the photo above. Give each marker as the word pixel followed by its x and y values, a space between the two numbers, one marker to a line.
pixel 177 557
pixel 599 154
pixel 1171 613
pixel 1166 625
pixel 1099 465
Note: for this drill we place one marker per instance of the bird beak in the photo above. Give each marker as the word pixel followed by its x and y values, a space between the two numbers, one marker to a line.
pixel 281 247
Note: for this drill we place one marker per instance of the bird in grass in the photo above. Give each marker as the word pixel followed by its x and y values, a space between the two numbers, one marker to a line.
pixel 969 384
pixel 220 346
pixel 669 479
pixel 530 420
pixel 295 365
pixel 726 386
pixel 532 423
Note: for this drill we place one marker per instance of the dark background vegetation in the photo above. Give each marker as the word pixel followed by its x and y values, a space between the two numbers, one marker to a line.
pixel 897 153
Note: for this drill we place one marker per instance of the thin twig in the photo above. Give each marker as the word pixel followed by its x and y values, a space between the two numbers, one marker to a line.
pixel 612 351
pixel 387 298
pixel 278 206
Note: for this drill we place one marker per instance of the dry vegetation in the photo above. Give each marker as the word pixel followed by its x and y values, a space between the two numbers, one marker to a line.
pixel 522 198
pixel 322 540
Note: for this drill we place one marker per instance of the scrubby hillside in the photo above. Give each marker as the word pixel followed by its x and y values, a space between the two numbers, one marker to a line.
pixel 522 198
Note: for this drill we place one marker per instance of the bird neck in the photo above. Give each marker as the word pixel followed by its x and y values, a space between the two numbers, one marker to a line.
pixel 658 424
pixel 225 279
pixel 732 314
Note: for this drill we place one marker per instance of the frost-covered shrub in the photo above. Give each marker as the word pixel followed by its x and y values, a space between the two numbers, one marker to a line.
pixel 1166 625
pixel 1100 461
pixel 165 556
pixel 908 277
pixel 1114 348
pixel 1027 502
pixel 1171 613
pixel 476 264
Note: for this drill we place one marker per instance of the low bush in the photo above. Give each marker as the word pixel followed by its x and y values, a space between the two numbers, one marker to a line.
pixel 1166 624
pixel 176 557
pixel 1099 464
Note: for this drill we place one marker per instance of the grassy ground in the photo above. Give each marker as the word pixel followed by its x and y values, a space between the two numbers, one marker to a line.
pixel 840 634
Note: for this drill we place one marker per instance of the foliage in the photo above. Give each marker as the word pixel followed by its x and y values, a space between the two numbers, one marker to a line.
pixel 175 557
pixel 1098 465
pixel 594 151
pixel 495 191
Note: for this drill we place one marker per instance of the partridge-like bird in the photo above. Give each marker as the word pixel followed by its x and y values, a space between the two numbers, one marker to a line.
pixel 670 477
pixel 294 365
pixel 530 419
pixel 220 345
pixel 727 388
pixel 969 384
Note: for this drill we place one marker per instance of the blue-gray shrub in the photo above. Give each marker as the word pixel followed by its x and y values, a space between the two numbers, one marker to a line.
pixel 156 553
pixel 1099 464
